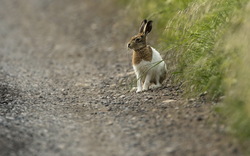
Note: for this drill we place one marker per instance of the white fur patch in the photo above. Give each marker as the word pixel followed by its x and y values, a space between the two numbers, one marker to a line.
pixel 148 70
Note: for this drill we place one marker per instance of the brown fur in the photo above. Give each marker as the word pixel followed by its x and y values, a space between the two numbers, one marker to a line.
pixel 142 54
pixel 133 44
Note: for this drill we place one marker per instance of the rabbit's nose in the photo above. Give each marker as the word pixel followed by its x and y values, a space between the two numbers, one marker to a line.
pixel 129 45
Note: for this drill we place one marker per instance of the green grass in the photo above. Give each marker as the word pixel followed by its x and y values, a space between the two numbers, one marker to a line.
pixel 192 35
pixel 206 48
pixel 236 48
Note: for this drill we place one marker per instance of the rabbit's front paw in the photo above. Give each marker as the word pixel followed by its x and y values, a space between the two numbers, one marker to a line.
pixel 145 86
pixel 138 90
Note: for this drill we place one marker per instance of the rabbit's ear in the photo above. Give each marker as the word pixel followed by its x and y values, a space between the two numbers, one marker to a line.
pixel 148 27
pixel 143 23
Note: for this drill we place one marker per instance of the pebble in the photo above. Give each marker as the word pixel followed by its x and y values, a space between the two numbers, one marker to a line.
pixel 199 118
pixel 122 96
pixel 110 123
pixel 10 117
pixel 169 101
pixel 85 85
pixel 61 146
pixel 191 100
pixel 1 119
pixel 170 149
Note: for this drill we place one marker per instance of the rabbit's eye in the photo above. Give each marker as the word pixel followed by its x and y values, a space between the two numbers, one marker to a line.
pixel 138 40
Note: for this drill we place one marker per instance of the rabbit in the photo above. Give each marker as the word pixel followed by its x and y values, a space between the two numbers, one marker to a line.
pixel 147 62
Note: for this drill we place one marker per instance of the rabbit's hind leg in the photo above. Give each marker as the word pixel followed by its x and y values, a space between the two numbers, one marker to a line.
pixel 157 83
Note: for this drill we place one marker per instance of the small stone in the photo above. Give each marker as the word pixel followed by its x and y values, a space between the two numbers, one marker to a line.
pixel 166 94
pixel 122 96
pixel 150 98
pixel 191 100
pixel 170 149
pixel 199 118
pixel 10 117
pixel 85 85
pixel 169 101
pixel 61 146
pixel 109 109
pixel 1 119
pixel 110 123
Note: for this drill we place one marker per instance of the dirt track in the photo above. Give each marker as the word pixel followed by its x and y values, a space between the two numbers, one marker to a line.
pixel 64 89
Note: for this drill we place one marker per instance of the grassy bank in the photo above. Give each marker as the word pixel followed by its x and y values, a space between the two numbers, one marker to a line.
pixel 235 48
pixel 206 48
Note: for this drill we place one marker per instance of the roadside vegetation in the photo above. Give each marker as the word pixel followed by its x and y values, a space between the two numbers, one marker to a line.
pixel 206 45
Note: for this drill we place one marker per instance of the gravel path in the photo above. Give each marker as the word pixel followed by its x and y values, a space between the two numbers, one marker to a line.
pixel 64 89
